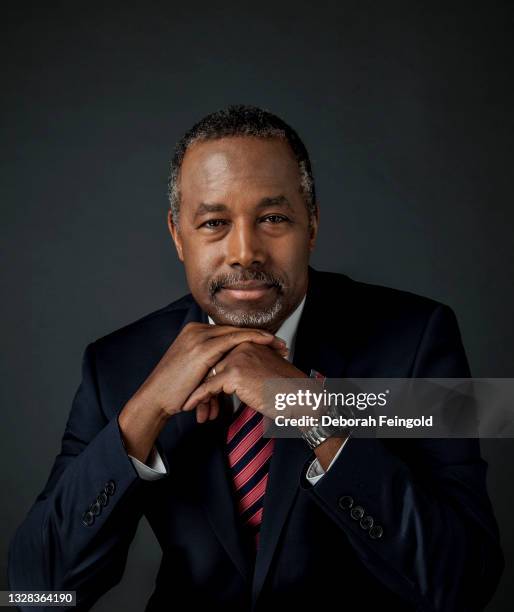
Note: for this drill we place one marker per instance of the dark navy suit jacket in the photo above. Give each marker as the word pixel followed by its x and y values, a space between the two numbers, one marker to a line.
pixel 439 549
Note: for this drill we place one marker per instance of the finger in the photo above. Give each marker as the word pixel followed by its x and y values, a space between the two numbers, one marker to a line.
pixel 203 393
pixel 202 412
pixel 214 412
pixel 200 399
pixel 220 365
pixel 282 350
pixel 215 331
pixel 219 330
pixel 220 343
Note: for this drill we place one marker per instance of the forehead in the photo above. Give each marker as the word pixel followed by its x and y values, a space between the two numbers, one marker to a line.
pixel 219 165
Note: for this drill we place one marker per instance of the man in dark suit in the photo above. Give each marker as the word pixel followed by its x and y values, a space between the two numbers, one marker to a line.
pixel 167 421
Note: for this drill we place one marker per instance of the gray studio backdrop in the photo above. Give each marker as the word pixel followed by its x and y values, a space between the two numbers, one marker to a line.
pixel 406 110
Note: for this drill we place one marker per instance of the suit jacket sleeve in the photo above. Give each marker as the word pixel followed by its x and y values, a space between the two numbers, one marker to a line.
pixel 77 534
pixel 438 542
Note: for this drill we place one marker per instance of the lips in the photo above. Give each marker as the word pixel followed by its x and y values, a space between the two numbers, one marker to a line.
pixel 247 290
pixel 246 285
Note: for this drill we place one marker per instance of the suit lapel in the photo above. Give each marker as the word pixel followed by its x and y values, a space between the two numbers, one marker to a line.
pixel 318 346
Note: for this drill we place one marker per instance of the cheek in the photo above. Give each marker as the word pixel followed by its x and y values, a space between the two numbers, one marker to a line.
pixel 293 250
pixel 202 252
pixel 200 271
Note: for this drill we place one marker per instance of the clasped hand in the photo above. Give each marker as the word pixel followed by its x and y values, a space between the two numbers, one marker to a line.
pixel 242 371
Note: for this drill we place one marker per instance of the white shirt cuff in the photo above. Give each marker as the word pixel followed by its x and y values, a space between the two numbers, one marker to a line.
pixel 316 472
pixel 153 470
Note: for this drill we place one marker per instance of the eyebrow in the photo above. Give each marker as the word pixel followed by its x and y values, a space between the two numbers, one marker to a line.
pixel 279 200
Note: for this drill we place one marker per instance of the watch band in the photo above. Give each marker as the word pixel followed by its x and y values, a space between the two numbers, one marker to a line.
pixel 317 434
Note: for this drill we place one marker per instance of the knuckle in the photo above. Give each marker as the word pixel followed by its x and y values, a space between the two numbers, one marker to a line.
pixel 187 332
pixel 192 350
pixel 244 346
pixel 197 356
pixel 194 327
pixel 235 370
pixel 237 349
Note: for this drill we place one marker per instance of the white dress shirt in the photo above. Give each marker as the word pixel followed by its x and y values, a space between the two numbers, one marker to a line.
pixel 154 468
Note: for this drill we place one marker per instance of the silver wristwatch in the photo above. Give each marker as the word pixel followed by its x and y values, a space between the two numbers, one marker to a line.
pixel 317 434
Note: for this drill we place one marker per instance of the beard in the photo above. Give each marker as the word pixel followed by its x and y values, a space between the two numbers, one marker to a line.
pixel 259 317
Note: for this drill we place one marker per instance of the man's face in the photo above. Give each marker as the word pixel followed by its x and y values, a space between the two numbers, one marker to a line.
pixel 243 221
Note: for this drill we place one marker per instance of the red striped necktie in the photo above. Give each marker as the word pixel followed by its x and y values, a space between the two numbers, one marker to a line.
pixel 249 456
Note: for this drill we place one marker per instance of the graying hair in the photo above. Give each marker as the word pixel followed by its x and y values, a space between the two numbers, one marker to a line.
pixel 242 120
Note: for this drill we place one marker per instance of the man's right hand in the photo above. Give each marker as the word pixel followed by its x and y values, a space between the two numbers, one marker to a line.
pixel 190 358
pixel 186 363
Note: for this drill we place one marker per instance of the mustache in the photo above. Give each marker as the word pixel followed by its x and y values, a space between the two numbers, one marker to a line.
pixel 233 279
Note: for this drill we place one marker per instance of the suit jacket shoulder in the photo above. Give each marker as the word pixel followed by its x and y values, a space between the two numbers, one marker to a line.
pixel 374 302
pixel 383 330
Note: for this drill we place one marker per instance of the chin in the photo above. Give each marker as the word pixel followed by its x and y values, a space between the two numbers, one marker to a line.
pixel 240 317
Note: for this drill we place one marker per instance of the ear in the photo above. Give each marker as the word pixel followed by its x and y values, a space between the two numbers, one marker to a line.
pixel 313 230
pixel 175 234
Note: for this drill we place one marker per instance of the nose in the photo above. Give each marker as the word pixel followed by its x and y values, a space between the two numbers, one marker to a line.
pixel 244 246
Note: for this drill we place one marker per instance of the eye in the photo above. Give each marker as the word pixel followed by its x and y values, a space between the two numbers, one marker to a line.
pixel 215 223
pixel 279 217
pixel 212 221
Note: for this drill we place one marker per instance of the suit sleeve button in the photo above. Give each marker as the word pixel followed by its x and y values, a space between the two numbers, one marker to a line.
pixel 357 512
pixel 366 522
pixel 376 532
pixel 88 519
pixel 110 487
pixel 95 508
pixel 345 502
pixel 103 499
